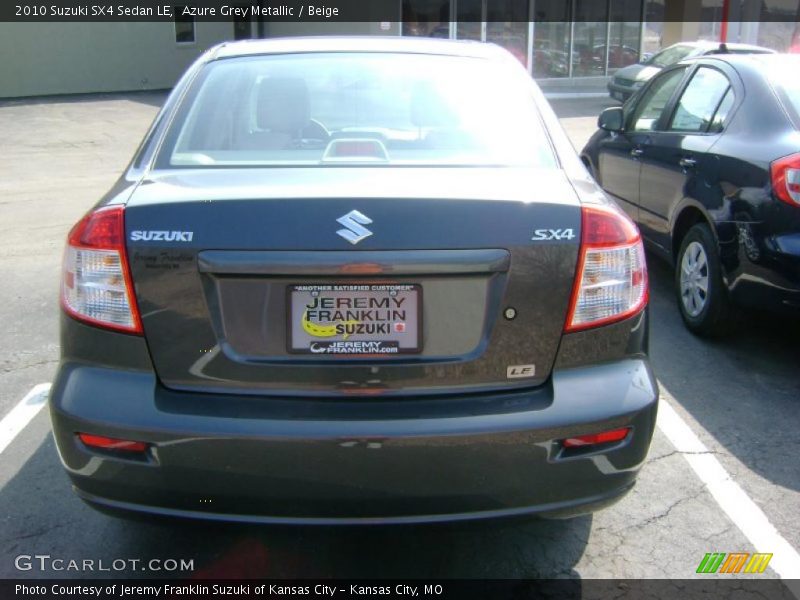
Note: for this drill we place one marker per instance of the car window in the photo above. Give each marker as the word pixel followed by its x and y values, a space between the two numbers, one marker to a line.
pixel 649 109
pixel 331 109
pixel 671 55
pixel 699 101
pixel 783 76
pixel 721 116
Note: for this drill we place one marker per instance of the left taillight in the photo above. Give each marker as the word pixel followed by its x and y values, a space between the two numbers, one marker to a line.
pixel 96 285
pixel 785 176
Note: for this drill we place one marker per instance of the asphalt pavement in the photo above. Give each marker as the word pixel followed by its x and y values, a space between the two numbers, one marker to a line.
pixel 722 474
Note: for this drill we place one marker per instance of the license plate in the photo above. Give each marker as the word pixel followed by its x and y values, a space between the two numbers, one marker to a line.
pixel 618 95
pixel 354 319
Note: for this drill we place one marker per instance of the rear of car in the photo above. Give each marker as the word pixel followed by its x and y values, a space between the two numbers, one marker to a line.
pixel 352 280
pixel 771 242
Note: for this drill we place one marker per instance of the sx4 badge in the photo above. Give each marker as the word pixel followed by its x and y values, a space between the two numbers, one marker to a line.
pixel 545 235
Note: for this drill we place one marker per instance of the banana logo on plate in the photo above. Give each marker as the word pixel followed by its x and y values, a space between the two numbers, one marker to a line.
pixel 317 330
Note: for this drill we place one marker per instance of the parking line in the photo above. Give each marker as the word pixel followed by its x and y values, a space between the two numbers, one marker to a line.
pixel 22 414
pixel 575 95
pixel 745 513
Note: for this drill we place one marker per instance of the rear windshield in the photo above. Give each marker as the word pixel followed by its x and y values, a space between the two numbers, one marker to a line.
pixel 671 55
pixel 357 108
pixel 787 83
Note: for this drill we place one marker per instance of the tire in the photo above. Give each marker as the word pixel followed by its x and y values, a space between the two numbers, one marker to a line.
pixel 701 294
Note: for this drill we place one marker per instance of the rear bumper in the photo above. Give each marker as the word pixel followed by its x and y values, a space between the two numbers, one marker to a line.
pixel 315 461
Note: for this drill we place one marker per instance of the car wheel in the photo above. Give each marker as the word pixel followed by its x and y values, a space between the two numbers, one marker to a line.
pixel 702 297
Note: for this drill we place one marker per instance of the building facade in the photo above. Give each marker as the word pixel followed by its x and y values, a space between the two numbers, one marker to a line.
pixel 557 40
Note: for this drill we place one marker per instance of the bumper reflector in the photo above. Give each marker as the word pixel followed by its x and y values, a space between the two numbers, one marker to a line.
pixel 604 437
pixel 107 443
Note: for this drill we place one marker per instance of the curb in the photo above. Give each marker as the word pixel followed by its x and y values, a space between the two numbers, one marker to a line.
pixel 575 95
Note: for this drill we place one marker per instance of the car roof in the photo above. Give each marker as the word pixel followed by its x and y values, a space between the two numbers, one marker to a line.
pixel 708 46
pixel 758 62
pixel 297 45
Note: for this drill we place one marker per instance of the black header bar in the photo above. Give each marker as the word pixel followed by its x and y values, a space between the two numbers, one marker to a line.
pixel 417 11
pixel 555 589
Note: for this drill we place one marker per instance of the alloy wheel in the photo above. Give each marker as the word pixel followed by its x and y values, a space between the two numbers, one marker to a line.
pixel 694 279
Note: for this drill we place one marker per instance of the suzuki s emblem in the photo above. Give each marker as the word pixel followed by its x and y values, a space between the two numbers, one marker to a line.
pixel 354 230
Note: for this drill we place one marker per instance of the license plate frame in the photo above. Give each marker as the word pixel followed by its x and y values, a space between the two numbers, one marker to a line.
pixel 310 335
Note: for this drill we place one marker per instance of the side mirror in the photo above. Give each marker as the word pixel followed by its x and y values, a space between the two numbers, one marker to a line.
pixel 611 119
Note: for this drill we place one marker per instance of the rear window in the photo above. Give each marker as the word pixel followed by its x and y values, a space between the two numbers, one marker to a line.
pixel 357 108
pixel 671 55
pixel 747 51
pixel 787 84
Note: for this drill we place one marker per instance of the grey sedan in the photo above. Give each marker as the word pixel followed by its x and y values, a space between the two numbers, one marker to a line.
pixel 354 281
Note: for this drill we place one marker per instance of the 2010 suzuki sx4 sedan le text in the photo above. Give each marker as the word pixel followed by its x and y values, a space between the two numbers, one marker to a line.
pixel 352 281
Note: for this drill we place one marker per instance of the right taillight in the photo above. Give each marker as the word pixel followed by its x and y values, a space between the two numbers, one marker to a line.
pixel 785 176
pixel 96 286
pixel 611 281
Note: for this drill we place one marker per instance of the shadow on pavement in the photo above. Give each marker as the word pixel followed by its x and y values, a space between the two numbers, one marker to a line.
pixel 49 519
pixel 743 389
pixel 581 107
pixel 149 97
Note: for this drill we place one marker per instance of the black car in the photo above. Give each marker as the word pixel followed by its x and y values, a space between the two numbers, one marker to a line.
pixel 706 159
pixel 353 281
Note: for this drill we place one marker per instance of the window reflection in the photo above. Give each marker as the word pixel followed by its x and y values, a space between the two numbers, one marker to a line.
pixel 578 38
pixel 470 15
pixel 511 35
pixel 426 18
pixel 551 38
pixel 589 38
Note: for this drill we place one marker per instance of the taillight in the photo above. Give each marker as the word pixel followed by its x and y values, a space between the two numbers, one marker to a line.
pixel 604 437
pixel 611 281
pixel 785 176
pixel 96 286
pixel 106 443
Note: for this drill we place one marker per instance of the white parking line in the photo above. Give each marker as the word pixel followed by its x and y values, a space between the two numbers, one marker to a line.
pixel 574 95
pixel 22 414
pixel 745 513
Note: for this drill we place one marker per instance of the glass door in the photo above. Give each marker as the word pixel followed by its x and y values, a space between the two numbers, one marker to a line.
pixel 511 35
pixel 551 35
pixel 590 38
pixel 624 37
pixel 427 18
pixel 470 15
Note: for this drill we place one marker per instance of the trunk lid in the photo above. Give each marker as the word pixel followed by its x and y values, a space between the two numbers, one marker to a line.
pixel 216 255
